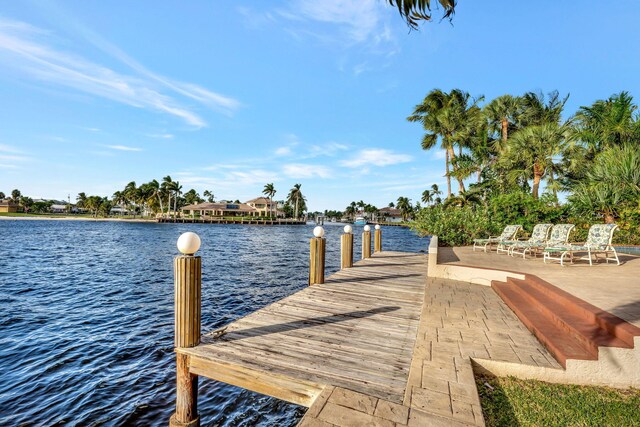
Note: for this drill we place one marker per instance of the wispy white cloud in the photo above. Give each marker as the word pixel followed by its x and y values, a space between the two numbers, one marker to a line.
pixel 161 135
pixel 329 149
pixel 23 48
pixel 301 170
pixel 13 157
pixel 283 151
pixel 358 18
pixel 376 157
pixel 361 24
pixel 4 148
pixel 11 154
pixel 123 148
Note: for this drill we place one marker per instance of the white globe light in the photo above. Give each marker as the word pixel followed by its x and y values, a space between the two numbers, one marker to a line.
pixel 188 243
pixel 318 231
pixel 348 229
pixel 377 227
pixel 367 228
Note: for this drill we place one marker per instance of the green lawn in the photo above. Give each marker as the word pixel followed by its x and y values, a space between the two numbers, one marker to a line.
pixel 513 402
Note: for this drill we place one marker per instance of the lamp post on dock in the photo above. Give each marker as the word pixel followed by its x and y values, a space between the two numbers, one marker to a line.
pixel 366 242
pixel 187 270
pixel 346 248
pixel 316 259
pixel 377 239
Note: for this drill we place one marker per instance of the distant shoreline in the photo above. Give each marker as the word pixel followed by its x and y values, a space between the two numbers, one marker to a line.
pixel 71 218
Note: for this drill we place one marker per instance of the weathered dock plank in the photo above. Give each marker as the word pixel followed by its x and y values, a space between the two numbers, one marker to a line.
pixel 356 331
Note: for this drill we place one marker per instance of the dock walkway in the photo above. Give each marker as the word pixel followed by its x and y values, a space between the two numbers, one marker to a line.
pixel 378 344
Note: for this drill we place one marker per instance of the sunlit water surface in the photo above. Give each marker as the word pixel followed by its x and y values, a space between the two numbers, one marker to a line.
pixel 86 316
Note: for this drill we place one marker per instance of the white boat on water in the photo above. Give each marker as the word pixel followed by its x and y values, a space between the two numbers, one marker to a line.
pixel 360 220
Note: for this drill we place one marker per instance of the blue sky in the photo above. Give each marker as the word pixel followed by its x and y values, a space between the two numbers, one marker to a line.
pixel 231 95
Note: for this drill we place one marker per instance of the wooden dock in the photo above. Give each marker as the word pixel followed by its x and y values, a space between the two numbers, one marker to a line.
pixel 357 331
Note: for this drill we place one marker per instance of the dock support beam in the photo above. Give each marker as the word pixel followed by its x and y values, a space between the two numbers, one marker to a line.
pixel 316 257
pixel 377 239
pixel 346 248
pixel 188 289
pixel 366 242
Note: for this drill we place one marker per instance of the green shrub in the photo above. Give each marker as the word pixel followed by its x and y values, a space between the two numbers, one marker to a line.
pixel 629 231
pixel 454 226
pixel 523 209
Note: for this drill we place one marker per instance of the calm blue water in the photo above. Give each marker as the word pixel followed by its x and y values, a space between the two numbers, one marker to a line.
pixel 86 316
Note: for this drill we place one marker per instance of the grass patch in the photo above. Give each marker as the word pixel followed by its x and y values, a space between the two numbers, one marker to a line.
pixel 514 402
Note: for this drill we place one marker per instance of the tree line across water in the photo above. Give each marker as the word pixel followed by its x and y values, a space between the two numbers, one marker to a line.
pixel 517 159
pixel 165 197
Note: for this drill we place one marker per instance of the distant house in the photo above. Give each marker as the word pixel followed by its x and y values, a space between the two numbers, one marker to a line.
pixel 57 208
pixel 265 207
pixel 390 215
pixel 220 209
pixel 119 210
pixel 7 206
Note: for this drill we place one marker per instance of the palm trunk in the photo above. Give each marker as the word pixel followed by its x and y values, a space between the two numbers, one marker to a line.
pixel 446 162
pixel 161 207
pixel 452 155
pixel 505 127
pixel 553 188
pixel 296 213
pixel 175 204
pixel 537 177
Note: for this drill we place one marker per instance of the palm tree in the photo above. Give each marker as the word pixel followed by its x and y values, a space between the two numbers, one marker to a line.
pixel 404 204
pixel 15 195
pixel 413 11
pixel 539 110
pixel 177 189
pixel 209 195
pixel 466 198
pixel 155 190
pixel 269 191
pixel 2 195
pixel 81 200
pixel 611 184
pixel 531 151
pixel 350 211
pixel 295 197
pixel 131 193
pixel 427 196
pixel 165 187
pixel 608 123
pixel 120 198
pixel 501 113
pixel 453 117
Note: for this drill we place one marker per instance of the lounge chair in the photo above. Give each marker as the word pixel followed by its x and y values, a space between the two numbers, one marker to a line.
pixel 509 233
pixel 598 241
pixel 538 239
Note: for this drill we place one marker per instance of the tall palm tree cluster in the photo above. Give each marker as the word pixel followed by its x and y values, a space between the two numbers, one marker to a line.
pixel 165 197
pixel 524 144
pixel 296 203
pixel 360 208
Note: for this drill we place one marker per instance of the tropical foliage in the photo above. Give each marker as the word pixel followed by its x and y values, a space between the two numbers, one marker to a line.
pixel 523 159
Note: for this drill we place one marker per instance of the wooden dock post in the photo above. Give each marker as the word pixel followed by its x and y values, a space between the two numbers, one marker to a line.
pixel 377 239
pixel 346 248
pixel 188 284
pixel 316 261
pixel 366 242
